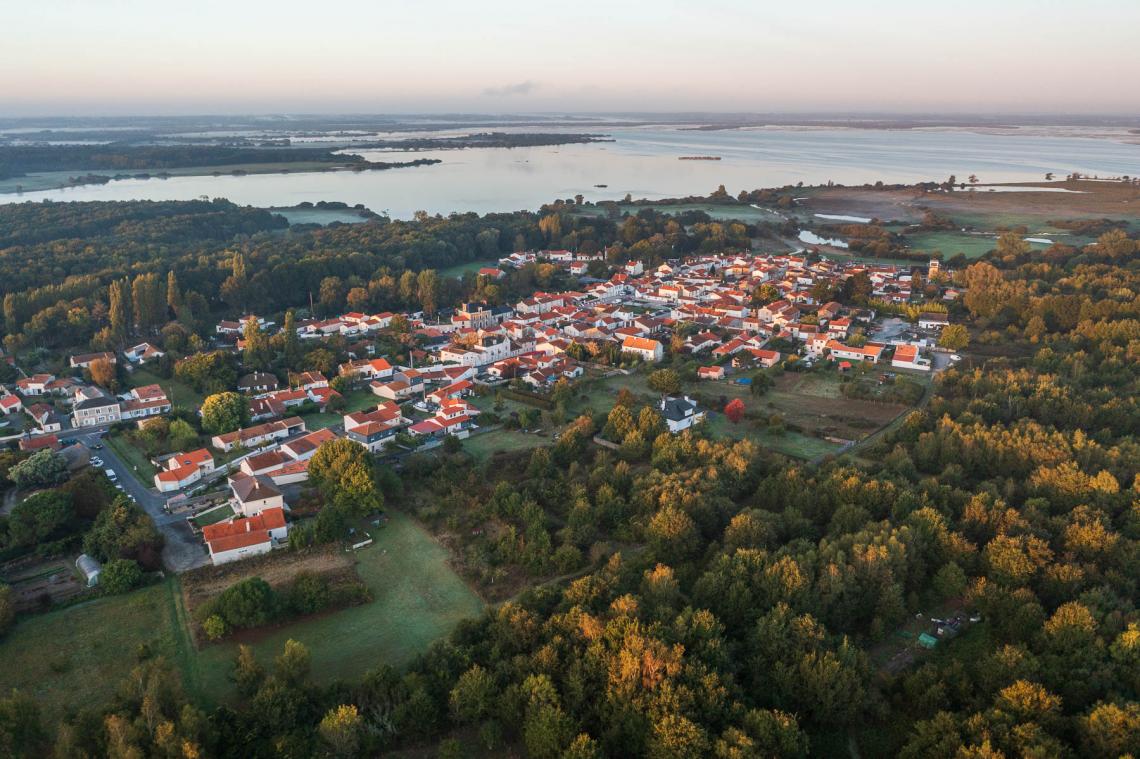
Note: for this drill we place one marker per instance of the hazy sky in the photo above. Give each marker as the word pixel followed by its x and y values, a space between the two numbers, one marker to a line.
pixel 250 56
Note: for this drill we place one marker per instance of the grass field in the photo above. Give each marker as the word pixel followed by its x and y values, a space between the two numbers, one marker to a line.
pixel 320 216
pixel 179 393
pixel 417 599
pixel 144 471
pixel 953 243
pixel 76 656
pixel 789 443
pixel 482 446
pixel 459 270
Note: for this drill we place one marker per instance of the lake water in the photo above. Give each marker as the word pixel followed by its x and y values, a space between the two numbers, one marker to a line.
pixel 644 163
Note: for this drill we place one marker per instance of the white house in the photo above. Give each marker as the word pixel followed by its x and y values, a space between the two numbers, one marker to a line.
pixel 183 469
pixel 680 413
pixel 252 496
pixel 928 320
pixel 245 537
pixel 907 357
pixel 645 348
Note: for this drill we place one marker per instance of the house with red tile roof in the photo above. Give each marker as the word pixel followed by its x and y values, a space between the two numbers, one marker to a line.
pixel 907 357
pixel 243 537
pixel 40 442
pixel 11 404
pixel 34 385
pixel 258 435
pixel 183 469
pixel 645 348
pixel 869 352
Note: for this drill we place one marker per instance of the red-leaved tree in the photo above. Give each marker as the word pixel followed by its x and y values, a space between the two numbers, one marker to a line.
pixel 734 410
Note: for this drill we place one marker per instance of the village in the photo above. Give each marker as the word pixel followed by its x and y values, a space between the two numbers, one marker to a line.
pixel 230 498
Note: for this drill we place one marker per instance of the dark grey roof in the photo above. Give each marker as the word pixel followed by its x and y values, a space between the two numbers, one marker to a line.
pixel 676 409
pixel 96 403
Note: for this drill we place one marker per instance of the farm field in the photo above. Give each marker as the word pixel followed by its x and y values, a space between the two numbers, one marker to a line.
pixel 417 599
pixel 75 657
pixel 809 401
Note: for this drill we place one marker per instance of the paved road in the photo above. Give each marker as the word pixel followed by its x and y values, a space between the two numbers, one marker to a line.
pixel 183 550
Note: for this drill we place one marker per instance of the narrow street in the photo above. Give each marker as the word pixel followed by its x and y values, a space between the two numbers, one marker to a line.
pixel 183 550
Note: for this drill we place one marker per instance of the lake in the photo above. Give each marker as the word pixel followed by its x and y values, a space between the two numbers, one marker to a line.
pixel 644 163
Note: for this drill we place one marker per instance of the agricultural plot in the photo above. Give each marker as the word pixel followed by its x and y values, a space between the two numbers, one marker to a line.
pixel 805 415
pixel 35 581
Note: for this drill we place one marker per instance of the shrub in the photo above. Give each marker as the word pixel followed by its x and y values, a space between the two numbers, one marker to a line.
pixel 249 603
pixel 215 627
pixel 121 575
pixel 309 593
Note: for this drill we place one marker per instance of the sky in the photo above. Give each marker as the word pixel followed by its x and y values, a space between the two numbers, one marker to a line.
pixel 128 57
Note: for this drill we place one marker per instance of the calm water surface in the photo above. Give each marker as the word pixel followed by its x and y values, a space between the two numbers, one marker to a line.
pixel 644 162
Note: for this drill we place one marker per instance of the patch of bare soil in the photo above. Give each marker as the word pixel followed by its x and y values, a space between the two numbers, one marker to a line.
pixel 1089 198
pixel 39 583
pixel 277 568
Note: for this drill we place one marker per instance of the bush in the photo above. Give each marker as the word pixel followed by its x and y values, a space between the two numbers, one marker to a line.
pixel 120 576
pixel 309 593
pixel 249 603
pixel 215 627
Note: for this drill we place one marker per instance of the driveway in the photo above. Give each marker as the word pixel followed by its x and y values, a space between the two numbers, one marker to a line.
pixel 183 550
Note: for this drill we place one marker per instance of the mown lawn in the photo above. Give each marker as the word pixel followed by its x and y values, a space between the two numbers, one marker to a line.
pixel 320 421
pixel 471 266
pixel 417 599
pixel 225 511
pixel 179 393
pixel 144 471
pixel 75 657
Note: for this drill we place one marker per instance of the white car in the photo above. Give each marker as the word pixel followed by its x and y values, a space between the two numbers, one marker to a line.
pixel 955 357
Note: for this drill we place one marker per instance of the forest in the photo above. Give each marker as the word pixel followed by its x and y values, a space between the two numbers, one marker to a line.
pixel 58 261
pixel 713 598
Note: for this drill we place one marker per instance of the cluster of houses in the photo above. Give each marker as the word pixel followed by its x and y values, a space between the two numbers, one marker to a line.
pixel 701 305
